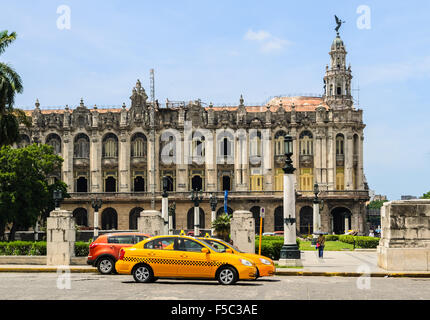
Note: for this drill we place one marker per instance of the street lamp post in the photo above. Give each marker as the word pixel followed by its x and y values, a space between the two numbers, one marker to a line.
pixel 172 208
pixel 96 204
pixel 196 198
pixel 213 202
pixel 290 253
pixel 58 196
pixel 165 205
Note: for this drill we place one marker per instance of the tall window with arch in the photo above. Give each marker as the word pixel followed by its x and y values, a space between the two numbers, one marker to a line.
pixel 279 143
pixel 306 145
pixel 255 143
pixel 340 142
pixel 81 146
pixel 110 146
pixel 54 140
pixel 138 145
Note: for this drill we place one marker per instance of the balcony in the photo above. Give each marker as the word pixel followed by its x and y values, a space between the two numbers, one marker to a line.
pixel 138 162
pixel 233 195
pixel 306 160
pixel 110 162
pixel 81 163
pixel 340 160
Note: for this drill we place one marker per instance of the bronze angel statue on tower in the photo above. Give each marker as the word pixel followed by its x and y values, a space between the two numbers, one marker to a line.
pixel 339 23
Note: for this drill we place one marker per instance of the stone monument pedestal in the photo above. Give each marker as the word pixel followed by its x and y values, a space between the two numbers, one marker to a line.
pixel 405 239
pixel 61 236
pixel 242 230
pixel 151 221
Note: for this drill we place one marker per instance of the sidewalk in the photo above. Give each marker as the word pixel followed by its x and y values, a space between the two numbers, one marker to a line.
pixel 346 264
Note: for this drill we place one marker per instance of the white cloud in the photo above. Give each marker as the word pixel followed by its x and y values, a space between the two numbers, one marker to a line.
pixel 268 42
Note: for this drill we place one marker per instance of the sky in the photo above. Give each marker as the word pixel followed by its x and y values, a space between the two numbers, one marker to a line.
pixel 217 50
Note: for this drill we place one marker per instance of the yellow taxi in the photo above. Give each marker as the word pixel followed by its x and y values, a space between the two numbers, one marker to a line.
pixel 182 257
pixel 265 265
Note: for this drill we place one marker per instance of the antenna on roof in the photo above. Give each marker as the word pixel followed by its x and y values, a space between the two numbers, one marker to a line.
pixel 152 83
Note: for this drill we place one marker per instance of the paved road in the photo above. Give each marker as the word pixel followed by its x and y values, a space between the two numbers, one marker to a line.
pixel 95 286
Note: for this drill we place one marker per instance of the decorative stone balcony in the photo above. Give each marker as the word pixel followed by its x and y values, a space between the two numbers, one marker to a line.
pixel 110 162
pixel 306 160
pixel 340 160
pixel 80 163
pixel 138 162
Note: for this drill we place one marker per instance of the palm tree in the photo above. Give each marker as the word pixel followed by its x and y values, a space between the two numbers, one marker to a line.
pixel 221 226
pixel 10 84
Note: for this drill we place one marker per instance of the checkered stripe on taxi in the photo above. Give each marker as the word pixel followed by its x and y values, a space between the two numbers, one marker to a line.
pixel 175 261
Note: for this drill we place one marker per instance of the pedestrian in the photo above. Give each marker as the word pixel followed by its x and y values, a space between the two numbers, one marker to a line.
pixel 320 245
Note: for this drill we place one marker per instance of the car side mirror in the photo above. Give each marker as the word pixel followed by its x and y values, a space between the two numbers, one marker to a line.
pixel 229 251
pixel 205 250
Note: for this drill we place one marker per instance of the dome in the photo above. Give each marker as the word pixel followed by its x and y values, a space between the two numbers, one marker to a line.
pixel 337 43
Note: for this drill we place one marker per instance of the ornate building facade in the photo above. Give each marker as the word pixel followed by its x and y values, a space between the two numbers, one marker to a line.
pixel 121 155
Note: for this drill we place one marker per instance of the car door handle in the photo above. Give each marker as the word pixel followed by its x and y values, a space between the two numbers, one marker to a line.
pixel 151 254
pixel 183 256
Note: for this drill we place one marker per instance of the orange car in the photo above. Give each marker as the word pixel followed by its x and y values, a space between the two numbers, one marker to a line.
pixel 265 265
pixel 104 251
pixel 182 257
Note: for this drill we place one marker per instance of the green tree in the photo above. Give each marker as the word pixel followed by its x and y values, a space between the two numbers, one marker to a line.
pixel 426 195
pixel 25 193
pixel 221 226
pixel 377 204
pixel 10 84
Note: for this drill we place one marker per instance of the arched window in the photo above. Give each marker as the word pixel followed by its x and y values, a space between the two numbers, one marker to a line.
pixel 54 140
pixel 190 219
pixel 138 145
pixel 220 211
pixel 198 146
pixel 279 143
pixel 110 146
pixel 81 217
pixel 132 218
pixel 279 219
pixel 256 215
pixel 109 219
pixel 306 143
pixel 340 141
pixel 306 220
pixel 255 143
pixel 81 146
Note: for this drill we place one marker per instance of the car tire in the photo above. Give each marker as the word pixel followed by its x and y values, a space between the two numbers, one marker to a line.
pixel 106 265
pixel 227 276
pixel 143 274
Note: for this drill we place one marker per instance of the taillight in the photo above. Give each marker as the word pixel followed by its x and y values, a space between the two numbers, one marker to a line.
pixel 121 254
pixel 92 245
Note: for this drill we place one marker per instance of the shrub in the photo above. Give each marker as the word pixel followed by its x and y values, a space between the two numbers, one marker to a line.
pixel 81 249
pixel 360 241
pixel 272 247
pixel 331 237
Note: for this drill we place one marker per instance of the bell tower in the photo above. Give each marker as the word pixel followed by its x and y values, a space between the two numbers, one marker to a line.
pixel 337 79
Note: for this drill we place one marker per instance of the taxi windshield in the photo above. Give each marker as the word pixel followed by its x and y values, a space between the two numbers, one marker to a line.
pixel 220 245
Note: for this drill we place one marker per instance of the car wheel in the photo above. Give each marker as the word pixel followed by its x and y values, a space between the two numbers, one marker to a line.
pixel 143 274
pixel 106 265
pixel 227 276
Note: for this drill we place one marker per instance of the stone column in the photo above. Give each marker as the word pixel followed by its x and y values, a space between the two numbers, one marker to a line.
pixel 165 213
pixel 267 157
pixel 360 173
pixel 316 217
pixel 196 221
pixel 210 164
pixel 96 182
pixel 243 230
pixel 67 166
pixel 331 161
pixel 60 232
pixel 182 166
pixel 317 158
pixel 349 152
pixel 290 253
pixel 150 221
pixel 346 223
pixel 124 163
